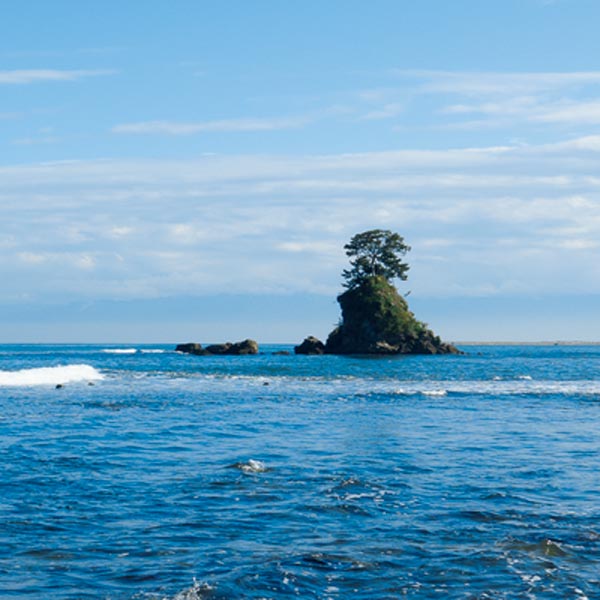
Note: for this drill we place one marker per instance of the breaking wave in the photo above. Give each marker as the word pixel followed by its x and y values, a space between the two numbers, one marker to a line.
pixel 49 376
pixel 120 350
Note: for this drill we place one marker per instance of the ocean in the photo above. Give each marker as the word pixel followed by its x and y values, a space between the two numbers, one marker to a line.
pixel 135 472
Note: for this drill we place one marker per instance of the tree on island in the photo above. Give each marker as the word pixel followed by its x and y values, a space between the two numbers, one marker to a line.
pixel 377 252
pixel 375 318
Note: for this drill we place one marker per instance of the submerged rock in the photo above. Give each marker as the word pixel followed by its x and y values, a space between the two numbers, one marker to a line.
pixel 377 320
pixel 311 345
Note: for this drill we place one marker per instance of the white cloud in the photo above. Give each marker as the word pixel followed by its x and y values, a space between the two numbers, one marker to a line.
pixel 570 112
pixel 497 83
pixel 530 109
pixel 479 100
pixel 32 258
pixel 247 223
pixel 85 262
pixel 309 247
pixel 33 141
pixel 224 125
pixel 120 232
pixel 387 111
pixel 589 143
pixel 27 76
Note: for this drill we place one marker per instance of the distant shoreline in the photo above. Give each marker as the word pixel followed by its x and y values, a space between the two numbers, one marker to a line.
pixel 547 343
pixel 131 345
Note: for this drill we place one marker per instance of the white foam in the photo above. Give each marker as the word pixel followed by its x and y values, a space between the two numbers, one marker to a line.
pixel 253 466
pixel 120 350
pixel 198 591
pixel 49 376
pixel 344 387
pixel 152 351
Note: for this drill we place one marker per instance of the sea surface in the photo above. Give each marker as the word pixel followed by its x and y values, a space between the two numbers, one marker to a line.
pixel 149 474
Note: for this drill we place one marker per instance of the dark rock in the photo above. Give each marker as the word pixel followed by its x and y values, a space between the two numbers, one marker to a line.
pixel 377 320
pixel 59 386
pixel 190 348
pixel 311 345
pixel 219 348
pixel 239 348
pixel 281 353
pixel 245 347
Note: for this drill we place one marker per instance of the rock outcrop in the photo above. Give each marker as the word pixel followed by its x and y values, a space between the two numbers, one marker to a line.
pixel 311 345
pixel 245 347
pixel 377 320
pixel 229 349
pixel 190 348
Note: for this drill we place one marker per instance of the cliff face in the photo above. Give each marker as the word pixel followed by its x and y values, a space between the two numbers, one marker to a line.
pixel 377 320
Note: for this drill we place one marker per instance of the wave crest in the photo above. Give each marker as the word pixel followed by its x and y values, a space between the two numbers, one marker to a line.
pixel 49 375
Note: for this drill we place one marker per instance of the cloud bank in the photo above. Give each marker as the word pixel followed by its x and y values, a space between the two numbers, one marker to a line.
pixel 518 219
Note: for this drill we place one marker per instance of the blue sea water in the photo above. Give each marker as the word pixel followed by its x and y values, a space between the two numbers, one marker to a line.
pixel 156 475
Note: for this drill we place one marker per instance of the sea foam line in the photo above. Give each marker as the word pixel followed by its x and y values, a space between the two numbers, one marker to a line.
pixel 49 375
pixel 368 386
pixel 119 350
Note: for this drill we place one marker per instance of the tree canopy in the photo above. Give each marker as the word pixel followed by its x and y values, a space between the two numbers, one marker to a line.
pixel 377 252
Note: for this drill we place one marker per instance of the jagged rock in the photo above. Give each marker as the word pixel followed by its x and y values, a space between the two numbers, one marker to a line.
pixel 239 348
pixel 377 320
pixel 311 345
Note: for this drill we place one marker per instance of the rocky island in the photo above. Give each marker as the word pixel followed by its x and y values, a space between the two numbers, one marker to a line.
pixel 375 318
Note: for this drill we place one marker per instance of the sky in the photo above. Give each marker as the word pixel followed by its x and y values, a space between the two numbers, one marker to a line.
pixel 191 170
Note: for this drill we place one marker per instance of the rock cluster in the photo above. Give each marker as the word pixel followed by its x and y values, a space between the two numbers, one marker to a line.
pixel 229 349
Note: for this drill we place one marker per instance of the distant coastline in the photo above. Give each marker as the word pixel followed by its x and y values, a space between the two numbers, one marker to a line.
pixel 541 343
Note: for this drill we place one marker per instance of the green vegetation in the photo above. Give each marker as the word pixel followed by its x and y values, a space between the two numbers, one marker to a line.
pixel 373 253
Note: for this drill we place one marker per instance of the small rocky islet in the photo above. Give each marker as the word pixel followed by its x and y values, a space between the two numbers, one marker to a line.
pixel 376 319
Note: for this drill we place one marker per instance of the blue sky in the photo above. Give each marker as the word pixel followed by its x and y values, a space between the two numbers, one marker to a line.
pixel 191 170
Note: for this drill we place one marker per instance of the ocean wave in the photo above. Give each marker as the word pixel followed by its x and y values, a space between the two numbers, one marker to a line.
pixel 49 376
pixel 152 351
pixel 119 350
